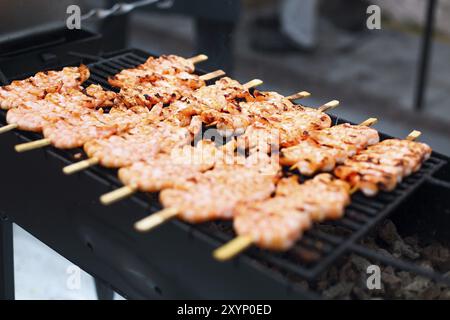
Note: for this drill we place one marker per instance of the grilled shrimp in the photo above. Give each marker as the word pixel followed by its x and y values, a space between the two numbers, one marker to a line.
pixel 383 165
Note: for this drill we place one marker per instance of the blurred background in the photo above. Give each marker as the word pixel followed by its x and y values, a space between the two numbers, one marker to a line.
pixel 398 72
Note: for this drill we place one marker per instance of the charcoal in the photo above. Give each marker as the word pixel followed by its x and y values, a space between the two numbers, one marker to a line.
pixel 439 256
pixel 341 290
pixel 388 233
pixel 348 280
pixel 360 263
pixel 391 281
pixel 401 249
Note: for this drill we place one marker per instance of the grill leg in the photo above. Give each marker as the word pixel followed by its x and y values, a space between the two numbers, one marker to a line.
pixel 104 292
pixel 425 52
pixel 6 260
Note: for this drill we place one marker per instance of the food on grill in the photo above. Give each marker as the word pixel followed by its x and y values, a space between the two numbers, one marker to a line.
pixel 272 129
pixel 147 129
pixel 382 166
pixel 214 193
pixel 33 115
pixel 309 156
pixel 141 142
pixel 347 137
pixel 37 86
pixel 275 223
pixel 214 102
pixel 172 169
pixel 160 88
pixel 165 65
pixel 74 131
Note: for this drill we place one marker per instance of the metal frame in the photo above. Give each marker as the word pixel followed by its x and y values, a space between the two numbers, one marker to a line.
pixel 6 259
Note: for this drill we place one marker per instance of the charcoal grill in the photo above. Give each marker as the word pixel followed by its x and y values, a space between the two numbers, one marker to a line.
pixel 174 261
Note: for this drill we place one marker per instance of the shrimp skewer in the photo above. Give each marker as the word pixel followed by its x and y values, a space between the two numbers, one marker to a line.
pixel 174 112
pixel 214 193
pixel 37 86
pixel 309 156
pixel 284 127
pixel 383 165
pixel 92 124
pixel 163 170
pixel 276 223
pixel 165 65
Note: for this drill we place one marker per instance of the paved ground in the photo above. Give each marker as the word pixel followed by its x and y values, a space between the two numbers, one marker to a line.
pixel 372 76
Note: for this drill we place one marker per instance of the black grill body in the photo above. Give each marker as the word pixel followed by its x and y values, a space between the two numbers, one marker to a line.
pixel 175 261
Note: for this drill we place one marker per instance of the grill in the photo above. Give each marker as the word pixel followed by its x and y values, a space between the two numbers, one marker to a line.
pixel 175 260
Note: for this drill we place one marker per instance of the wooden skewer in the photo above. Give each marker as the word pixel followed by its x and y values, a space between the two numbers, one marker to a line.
pixel 32 145
pixel 118 194
pixel 253 83
pixel 299 95
pixel 414 135
pixel 329 105
pixel 232 248
pixel 212 75
pixel 8 127
pixel 75 167
pixel 369 122
pixel 156 219
pixel 353 189
pixel 198 58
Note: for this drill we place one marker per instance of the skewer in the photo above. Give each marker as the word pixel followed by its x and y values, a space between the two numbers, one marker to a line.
pixel 232 248
pixel 253 83
pixel 329 105
pixel 118 194
pixel 212 75
pixel 78 166
pixel 299 95
pixel 413 135
pixel 75 167
pixel 156 219
pixel 198 58
pixel 368 123
pixel 8 127
pixel 32 145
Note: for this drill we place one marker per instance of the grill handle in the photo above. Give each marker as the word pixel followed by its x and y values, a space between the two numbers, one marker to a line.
pixel 123 8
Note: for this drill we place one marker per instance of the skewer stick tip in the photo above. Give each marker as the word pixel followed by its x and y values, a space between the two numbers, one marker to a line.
pixel 329 105
pixel 32 145
pixel 413 135
pixel 232 248
pixel 353 190
pixel 253 83
pixel 156 219
pixel 8 127
pixel 198 58
pixel 212 75
pixel 116 195
pixel 299 95
pixel 81 165
pixel 369 122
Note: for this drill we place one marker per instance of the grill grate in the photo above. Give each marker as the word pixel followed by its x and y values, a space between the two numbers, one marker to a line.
pixel 319 247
